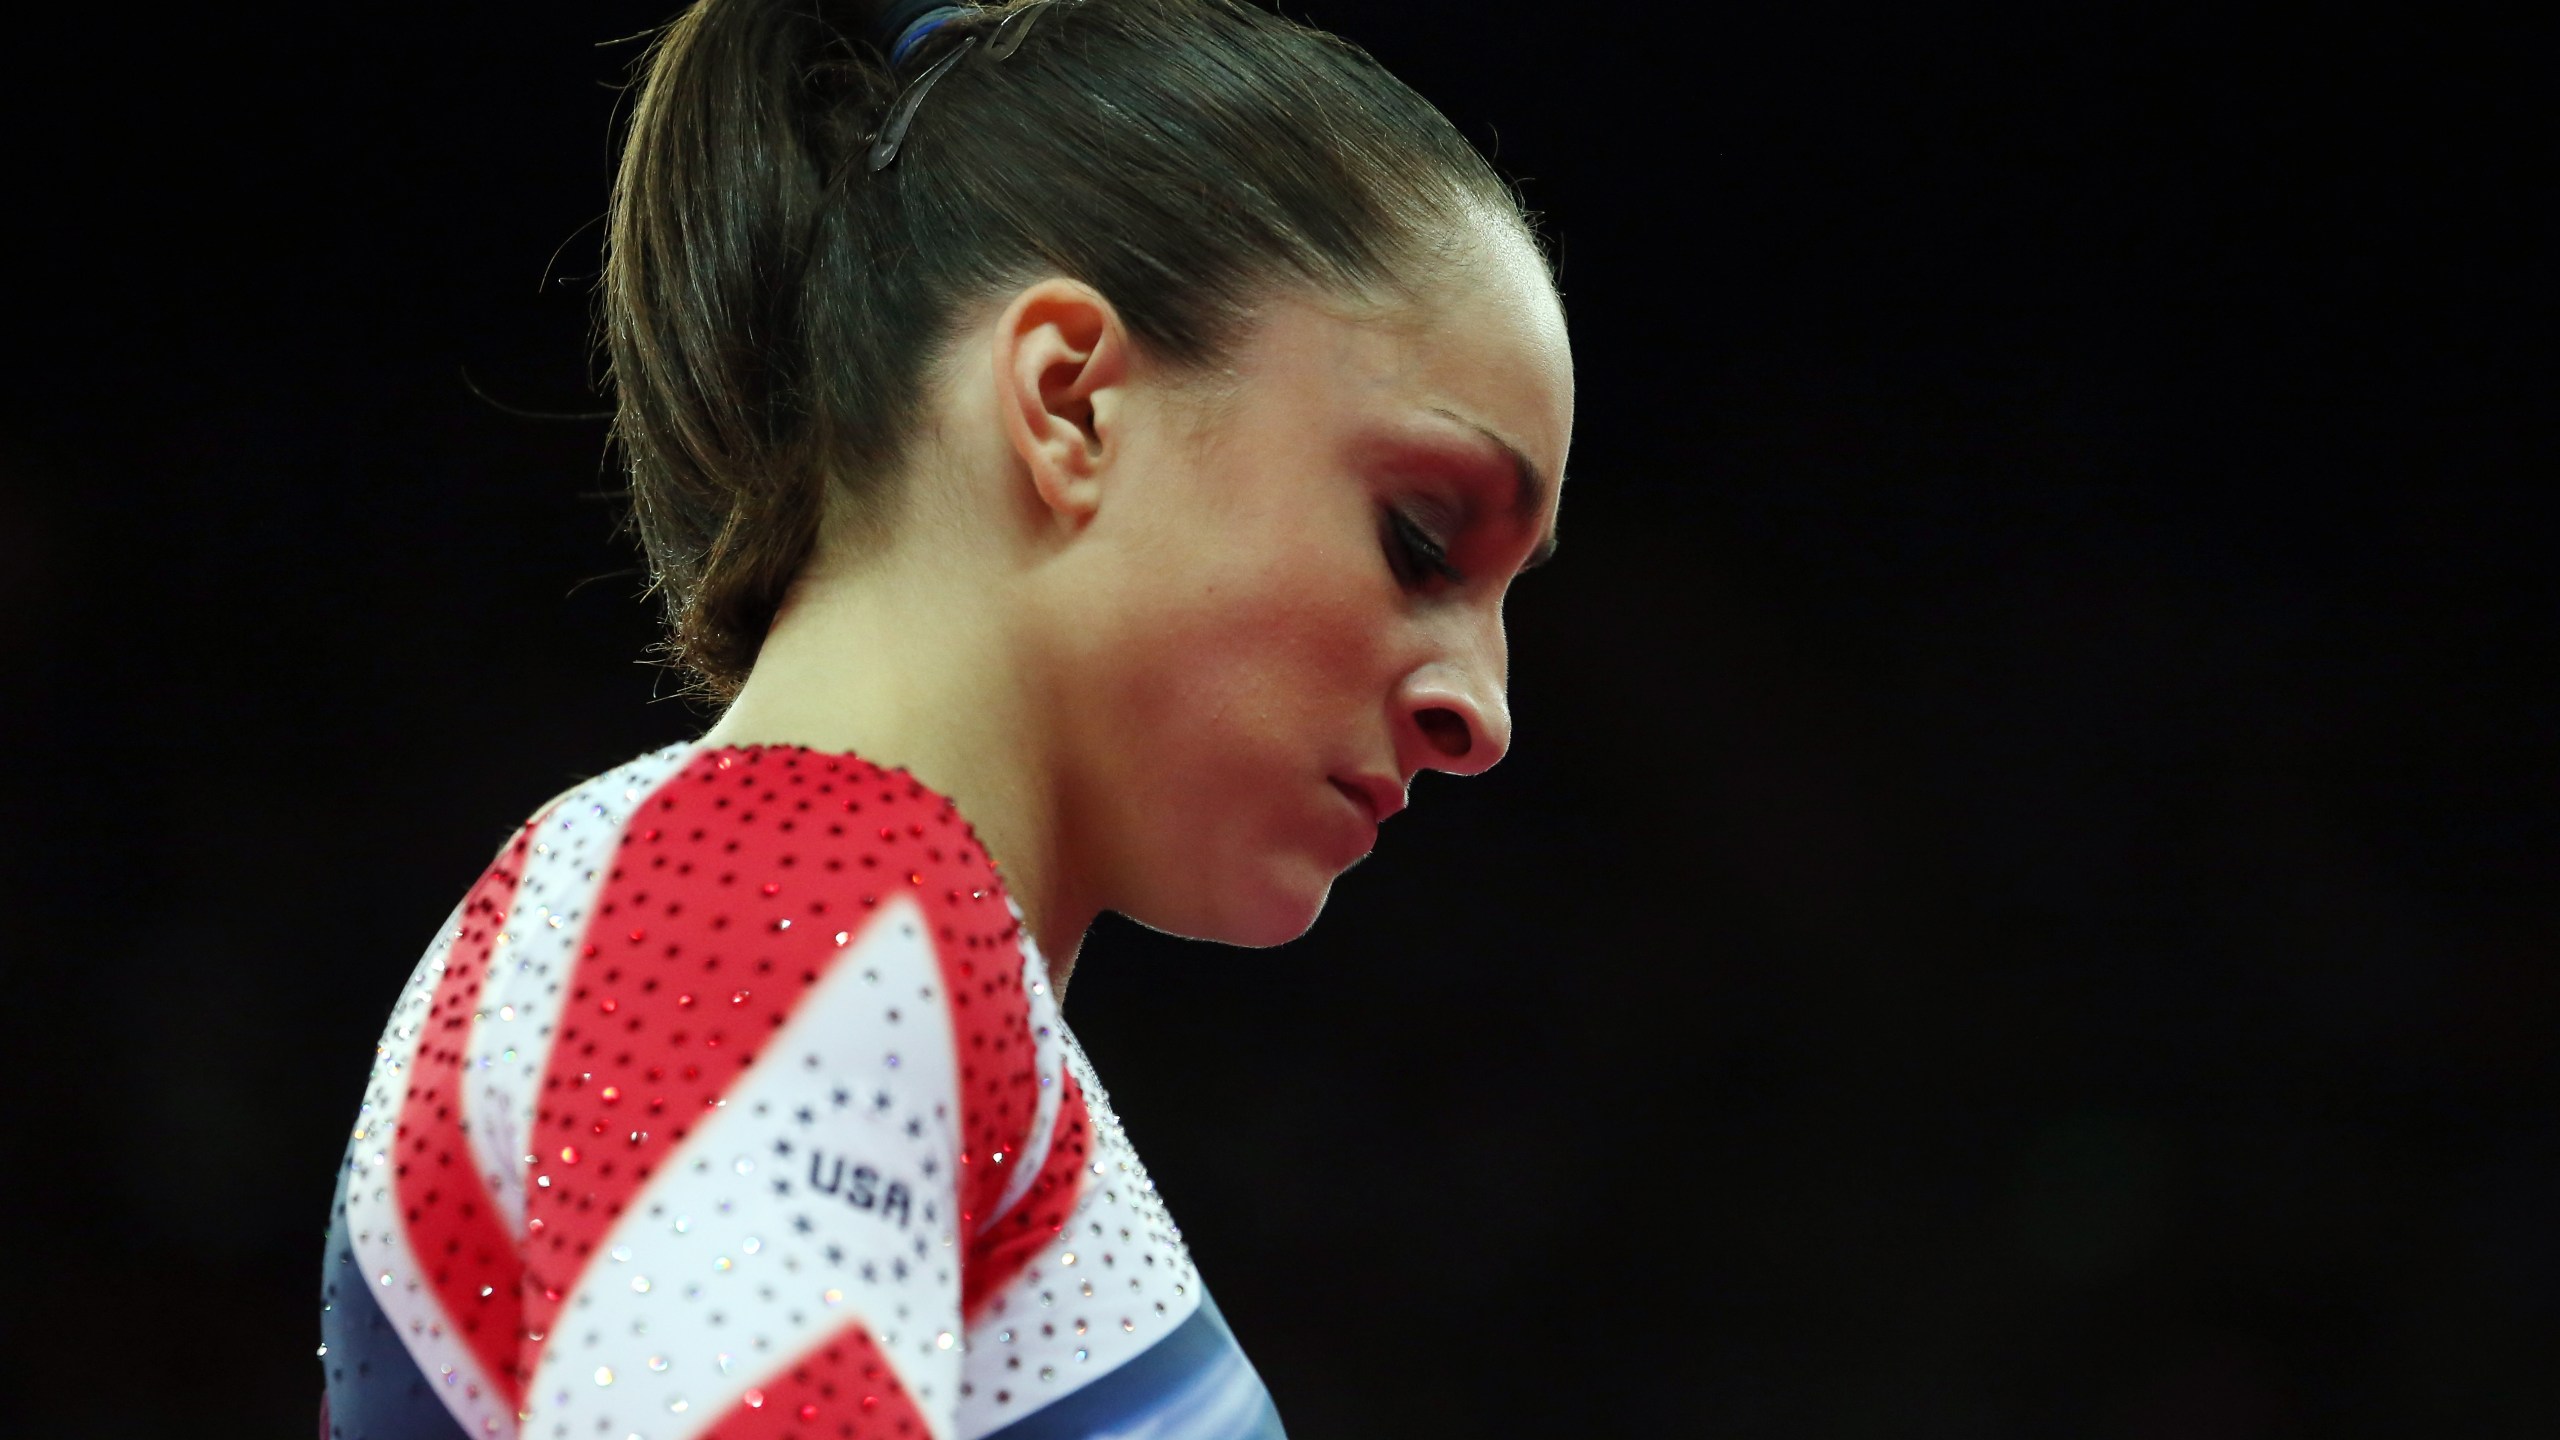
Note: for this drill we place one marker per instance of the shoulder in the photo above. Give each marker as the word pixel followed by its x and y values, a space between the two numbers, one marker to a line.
pixel 618 790
pixel 805 835
pixel 780 862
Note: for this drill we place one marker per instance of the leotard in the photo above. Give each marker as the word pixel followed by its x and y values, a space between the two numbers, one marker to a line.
pixel 733 1101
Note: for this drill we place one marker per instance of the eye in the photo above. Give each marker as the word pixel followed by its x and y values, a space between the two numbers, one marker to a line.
pixel 1415 554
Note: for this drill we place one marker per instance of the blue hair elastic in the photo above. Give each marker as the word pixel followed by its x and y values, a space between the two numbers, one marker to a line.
pixel 923 25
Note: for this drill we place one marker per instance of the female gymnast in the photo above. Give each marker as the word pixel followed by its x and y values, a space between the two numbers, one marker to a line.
pixel 1114 422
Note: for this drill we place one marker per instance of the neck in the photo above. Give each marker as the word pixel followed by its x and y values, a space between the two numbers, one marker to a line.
pixel 903 660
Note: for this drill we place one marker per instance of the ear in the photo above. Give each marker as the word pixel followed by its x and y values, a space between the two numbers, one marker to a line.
pixel 1062 361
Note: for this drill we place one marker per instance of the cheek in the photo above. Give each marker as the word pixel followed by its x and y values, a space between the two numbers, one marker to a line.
pixel 1242 681
pixel 1258 692
pixel 1288 653
pixel 1242 666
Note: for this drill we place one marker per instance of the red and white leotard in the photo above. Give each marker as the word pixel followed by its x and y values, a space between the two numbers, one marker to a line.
pixel 733 1101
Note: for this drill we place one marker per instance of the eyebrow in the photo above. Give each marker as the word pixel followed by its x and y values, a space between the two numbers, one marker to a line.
pixel 1530 487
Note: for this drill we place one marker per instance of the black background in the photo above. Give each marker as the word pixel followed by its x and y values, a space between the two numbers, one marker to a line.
pixel 2023 905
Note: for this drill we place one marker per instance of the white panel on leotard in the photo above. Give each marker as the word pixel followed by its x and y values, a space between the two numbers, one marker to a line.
pixel 822 1196
pixel 519 1009
pixel 1117 1280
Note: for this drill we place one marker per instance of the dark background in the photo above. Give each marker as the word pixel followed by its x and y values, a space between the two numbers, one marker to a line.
pixel 2024 904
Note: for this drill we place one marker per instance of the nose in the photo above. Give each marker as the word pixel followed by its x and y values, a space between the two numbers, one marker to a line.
pixel 1456 718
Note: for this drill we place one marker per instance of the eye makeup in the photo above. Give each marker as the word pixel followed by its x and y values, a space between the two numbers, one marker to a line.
pixel 1415 554
pixel 1491 481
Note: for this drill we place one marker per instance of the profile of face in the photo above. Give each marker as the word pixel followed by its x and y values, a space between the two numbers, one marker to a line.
pixel 1278 596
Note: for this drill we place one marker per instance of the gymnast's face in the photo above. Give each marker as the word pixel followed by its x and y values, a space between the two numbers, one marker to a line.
pixel 1287 592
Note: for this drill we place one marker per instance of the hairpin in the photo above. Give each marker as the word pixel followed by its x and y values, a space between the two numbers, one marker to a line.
pixel 1012 28
pixel 894 133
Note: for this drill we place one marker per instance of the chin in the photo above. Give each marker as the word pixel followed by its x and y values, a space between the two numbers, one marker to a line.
pixel 1274 909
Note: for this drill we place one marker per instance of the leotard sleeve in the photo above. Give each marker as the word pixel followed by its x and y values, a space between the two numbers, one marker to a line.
pixel 727 1098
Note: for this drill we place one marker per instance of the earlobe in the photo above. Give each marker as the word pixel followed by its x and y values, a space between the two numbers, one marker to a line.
pixel 1061 359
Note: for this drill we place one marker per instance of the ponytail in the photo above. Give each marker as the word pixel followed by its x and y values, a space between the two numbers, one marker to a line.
pixel 770 300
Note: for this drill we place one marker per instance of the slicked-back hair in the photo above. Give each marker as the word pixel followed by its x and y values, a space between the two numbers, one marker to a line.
pixel 772 304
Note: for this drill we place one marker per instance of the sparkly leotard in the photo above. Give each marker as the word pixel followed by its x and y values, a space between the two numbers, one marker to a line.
pixel 733 1101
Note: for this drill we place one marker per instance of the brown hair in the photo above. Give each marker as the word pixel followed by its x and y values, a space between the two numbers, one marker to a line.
pixel 771 302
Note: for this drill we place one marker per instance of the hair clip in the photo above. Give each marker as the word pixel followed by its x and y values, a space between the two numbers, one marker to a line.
pixel 1012 28
pixel 894 133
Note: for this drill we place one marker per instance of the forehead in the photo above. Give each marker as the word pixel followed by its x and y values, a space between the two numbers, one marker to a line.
pixel 1483 345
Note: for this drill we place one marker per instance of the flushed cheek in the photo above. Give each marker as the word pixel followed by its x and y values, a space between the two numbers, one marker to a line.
pixel 1238 741
pixel 1300 676
pixel 1271 643
pixel 1240 833
pixel 1266 653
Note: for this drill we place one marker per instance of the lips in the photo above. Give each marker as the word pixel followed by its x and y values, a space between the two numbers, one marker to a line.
pixel 1378 798
pixel 1368 807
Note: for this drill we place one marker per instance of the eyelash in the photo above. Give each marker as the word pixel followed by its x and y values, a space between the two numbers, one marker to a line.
pixel 1414 553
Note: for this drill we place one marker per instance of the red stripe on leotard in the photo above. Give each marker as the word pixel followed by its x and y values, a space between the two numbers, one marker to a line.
pixel 1038 1217
pixel 453 1226
pixel 719 911
pixel 841 1387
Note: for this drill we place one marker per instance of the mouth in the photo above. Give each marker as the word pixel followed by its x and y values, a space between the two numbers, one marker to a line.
pixel 1377 798
pixel 1368 808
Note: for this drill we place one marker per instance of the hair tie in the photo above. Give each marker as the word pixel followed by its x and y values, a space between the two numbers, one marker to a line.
pixel 912 34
